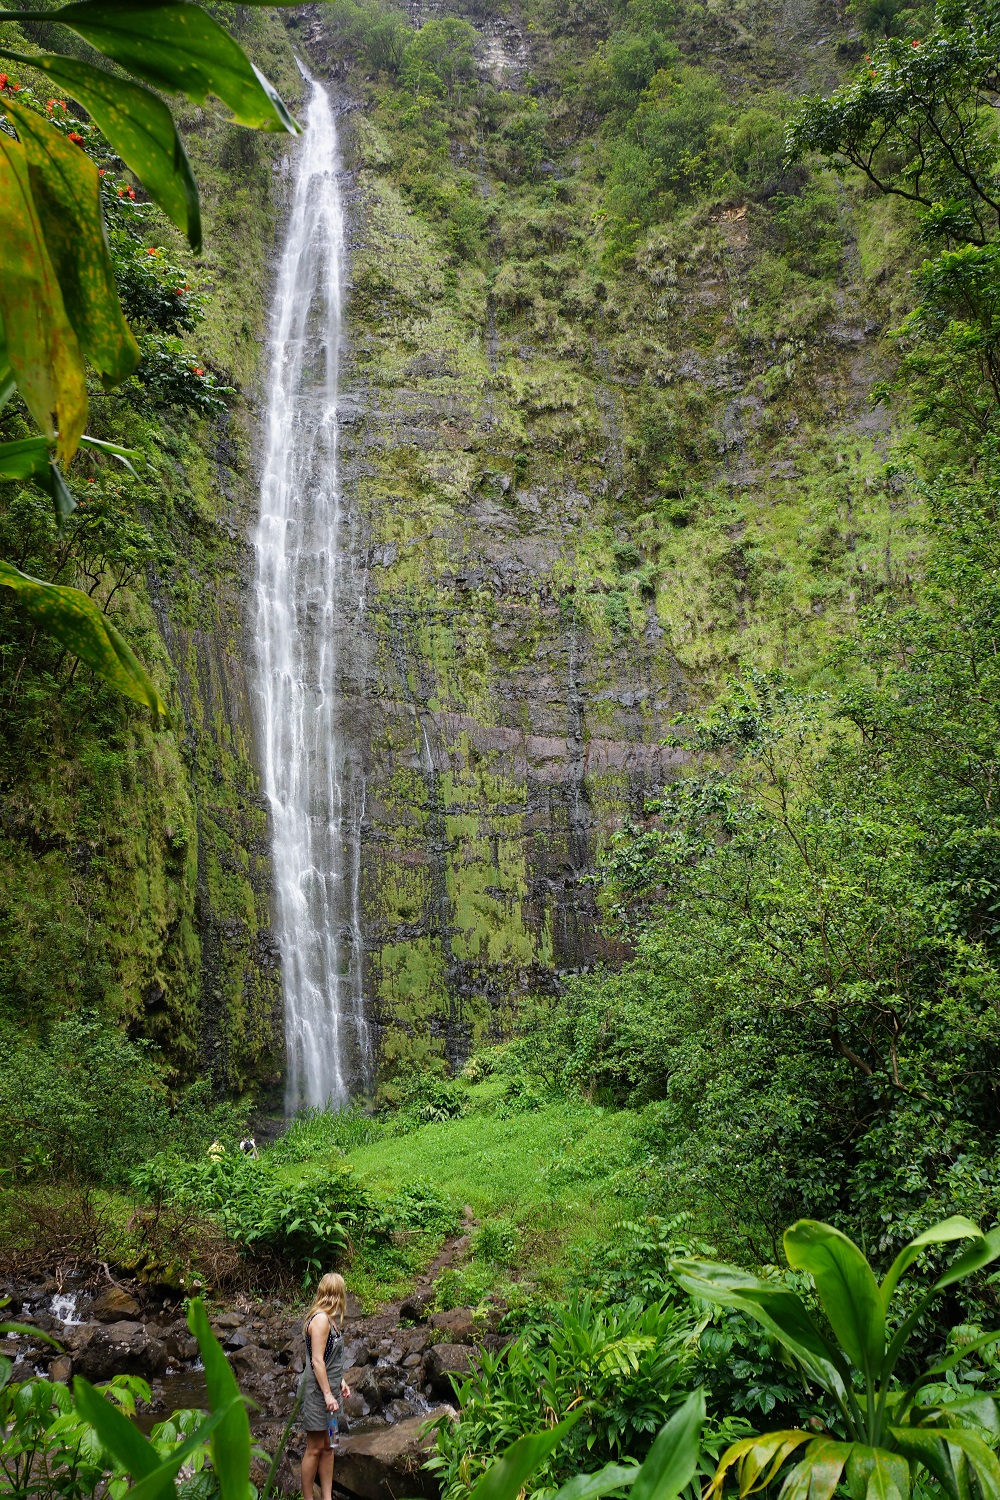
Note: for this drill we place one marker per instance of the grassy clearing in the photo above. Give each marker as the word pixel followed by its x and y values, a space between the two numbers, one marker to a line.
pixel 542 1186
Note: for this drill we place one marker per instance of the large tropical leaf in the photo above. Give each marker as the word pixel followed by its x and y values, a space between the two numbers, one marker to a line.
pixel 672 1461
pixel 138 126
pixel 758 1460
pixel 231 1439
pixel 956 1228
pixel 975 1258
pixel 66 189
pixel 181 49
pixel 505 1479
pixel 847 1289
pixel 818 1472
pixel 125 1442
pixel 75 620
pixel 31 458
pixel 875 1474
pixel 946 1452
pixel 41 347
pixel 780 1311
pixel 594 1486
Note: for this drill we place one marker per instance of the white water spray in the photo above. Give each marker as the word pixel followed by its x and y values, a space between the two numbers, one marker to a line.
pixel 306 588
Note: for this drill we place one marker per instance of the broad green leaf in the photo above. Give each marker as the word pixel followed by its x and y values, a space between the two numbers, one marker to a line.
pixel 817 1474
pixel 939 1447
pixel 593 1486
pixel 780 1311
pixel 926 1447
pixel 955 1228
pixel 7 1369
pixel 758 1458
pixel 123 1440
pixel 31 1331
pixel 120 1436
pixel 846 1286
pixel 42 349
pixel 67 193
pixel 876 1474
pixel 951 1360
pixel 181 49
pixel 505 1478
pixel 30 458
pixel 75 620
pixel 138 126
pixel 672 1461
pixel 231 1440
pixel 977 1256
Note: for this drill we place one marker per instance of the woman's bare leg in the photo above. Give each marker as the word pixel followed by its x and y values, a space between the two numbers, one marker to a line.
pixel 326 1474
pixel 311 1461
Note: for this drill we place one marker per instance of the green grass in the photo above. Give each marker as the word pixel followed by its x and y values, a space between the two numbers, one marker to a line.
pixel 541 1185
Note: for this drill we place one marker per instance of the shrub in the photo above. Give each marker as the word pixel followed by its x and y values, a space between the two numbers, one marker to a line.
pixel 628 1362
pixel 86 1104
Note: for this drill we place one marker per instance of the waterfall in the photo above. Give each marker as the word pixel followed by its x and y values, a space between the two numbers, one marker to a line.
pixel 306 589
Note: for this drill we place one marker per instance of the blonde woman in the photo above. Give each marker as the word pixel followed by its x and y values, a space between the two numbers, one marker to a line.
pixel 322 1377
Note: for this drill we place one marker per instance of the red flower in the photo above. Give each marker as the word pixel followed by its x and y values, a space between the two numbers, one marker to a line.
pixel 197 370
pixel 100 171
pixel 3 80
pixel 75 136
pixel 131 193
pixel 152 251
pixel 914 44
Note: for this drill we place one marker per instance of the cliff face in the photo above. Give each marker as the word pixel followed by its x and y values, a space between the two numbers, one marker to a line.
pixel 588 476
pixel 586 486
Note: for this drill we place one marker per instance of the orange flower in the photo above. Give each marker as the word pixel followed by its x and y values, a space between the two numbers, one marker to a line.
pixel 100 171
pixel 914 44
pixel 131 193
pixel 75 136
pixel 3 80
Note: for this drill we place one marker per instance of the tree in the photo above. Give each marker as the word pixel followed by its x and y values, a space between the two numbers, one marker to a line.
pixel 59 306
pixel 919 122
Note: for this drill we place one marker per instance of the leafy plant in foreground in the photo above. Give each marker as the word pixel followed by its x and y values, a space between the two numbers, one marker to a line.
pixel 59 306
pixel 669 1467
pixel 623 1363
pixel 888 1436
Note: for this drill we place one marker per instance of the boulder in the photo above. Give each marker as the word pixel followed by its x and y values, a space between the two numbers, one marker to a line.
pixel 181 1348
pixel 249 1361
pixel 61 1369
pixel 227 1320
pixel 459 1324
pixel 381 1465
pixel 113 1304
pixel 415 1307
pixel 124 1348
pixel 444 1360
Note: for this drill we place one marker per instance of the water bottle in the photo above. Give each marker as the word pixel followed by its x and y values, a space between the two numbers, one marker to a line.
pixel 332 1432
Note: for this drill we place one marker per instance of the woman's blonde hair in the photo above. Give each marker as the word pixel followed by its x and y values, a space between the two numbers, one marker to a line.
pixel 330 1298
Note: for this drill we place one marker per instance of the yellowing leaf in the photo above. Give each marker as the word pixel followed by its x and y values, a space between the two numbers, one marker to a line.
pixel 73 618
pixel 67 192
pixel 42 349
pixel 138 126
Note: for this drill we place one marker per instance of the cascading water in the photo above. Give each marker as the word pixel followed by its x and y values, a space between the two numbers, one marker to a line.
pixel 306 588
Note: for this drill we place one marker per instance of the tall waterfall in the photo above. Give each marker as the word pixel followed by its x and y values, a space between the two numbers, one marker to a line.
pixel 306 587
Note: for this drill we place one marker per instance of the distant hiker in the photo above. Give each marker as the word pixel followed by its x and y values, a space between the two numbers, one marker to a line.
pixel 249 1146
pixel 323 1386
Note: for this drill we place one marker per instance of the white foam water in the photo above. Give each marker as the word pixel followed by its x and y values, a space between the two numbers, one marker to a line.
pixel 306 588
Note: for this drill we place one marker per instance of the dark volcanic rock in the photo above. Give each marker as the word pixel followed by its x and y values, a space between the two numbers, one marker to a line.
pixel 444 1360
pixel 381 1465
pixel 458 1324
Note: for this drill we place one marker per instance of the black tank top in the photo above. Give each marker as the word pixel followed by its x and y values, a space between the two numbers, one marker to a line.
pixel 331 1341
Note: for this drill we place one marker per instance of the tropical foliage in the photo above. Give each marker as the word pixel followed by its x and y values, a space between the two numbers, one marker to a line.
pixel 890 1431
pixel 60 309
